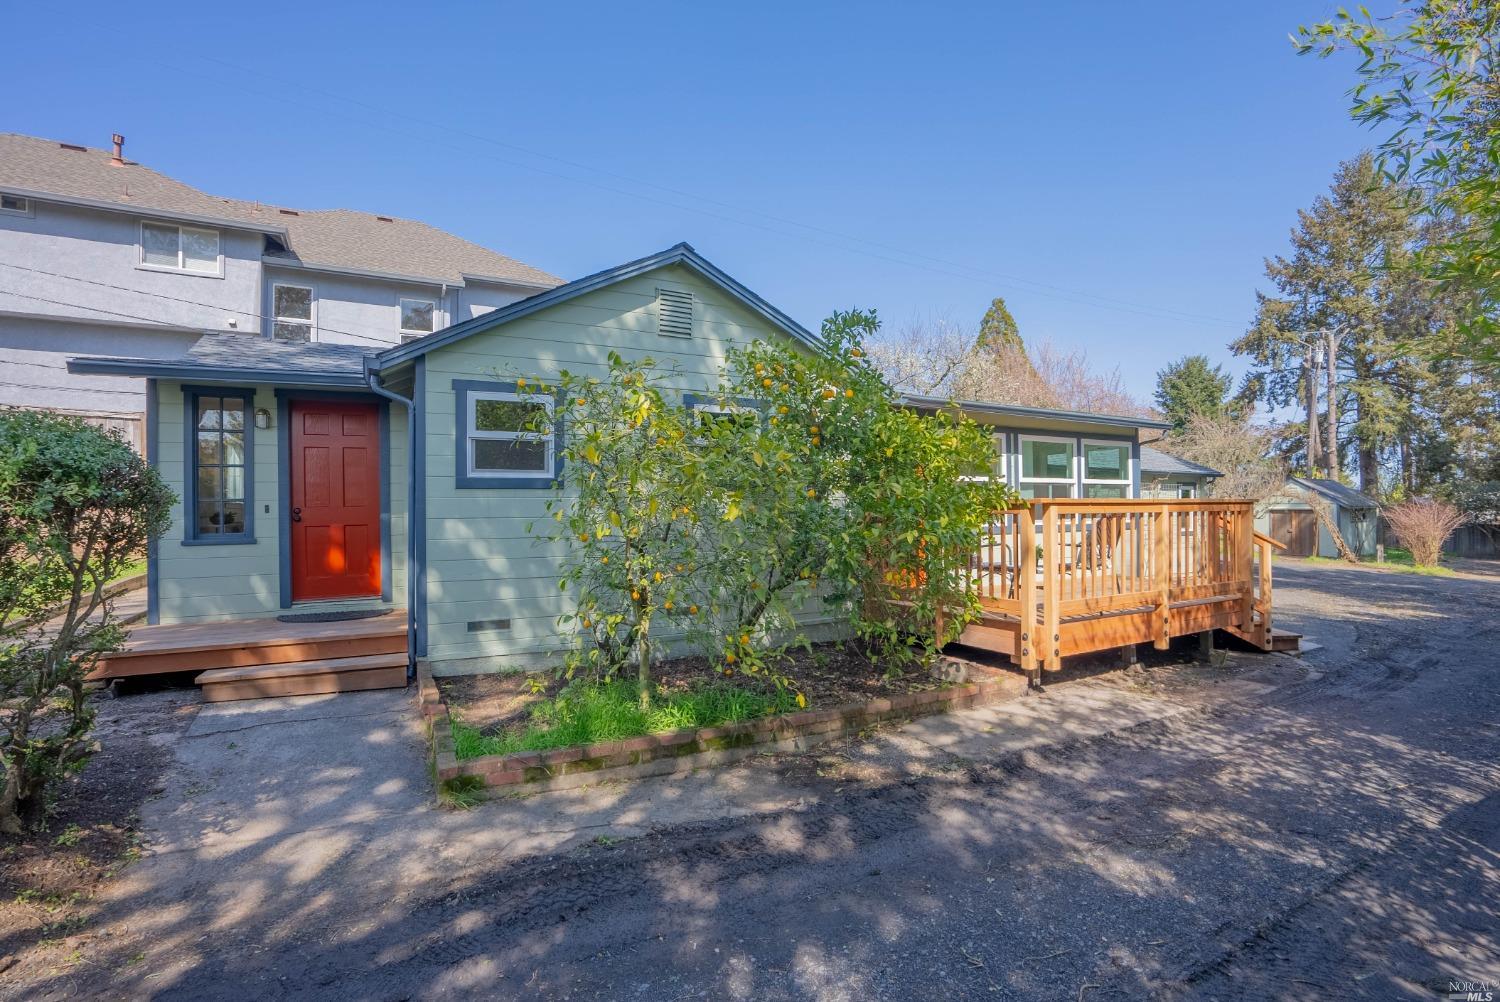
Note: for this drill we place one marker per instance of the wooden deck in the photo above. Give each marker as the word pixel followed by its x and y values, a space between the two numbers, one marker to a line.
pixel 246 658
pixel 1064 577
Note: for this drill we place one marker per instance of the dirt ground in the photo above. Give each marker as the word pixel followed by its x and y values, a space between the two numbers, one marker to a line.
pixel 49 879
pixel 829 675
pixel 1271 830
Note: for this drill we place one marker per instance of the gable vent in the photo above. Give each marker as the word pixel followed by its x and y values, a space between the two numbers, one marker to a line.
pixel 674 312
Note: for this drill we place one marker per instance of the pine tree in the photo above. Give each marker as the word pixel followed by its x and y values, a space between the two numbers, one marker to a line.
pixel 1189 387
pixel 998 328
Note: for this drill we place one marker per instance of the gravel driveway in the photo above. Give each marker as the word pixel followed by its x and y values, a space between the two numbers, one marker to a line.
pixel 1287 834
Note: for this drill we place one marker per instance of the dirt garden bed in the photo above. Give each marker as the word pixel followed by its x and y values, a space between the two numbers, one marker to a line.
pixel 844 693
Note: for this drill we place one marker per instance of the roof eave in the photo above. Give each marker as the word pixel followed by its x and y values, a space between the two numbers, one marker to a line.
pixel 167 369
pixel 297 264
pixel 678 254
pixel 470 276
pixel 1044 413
pixel 128 208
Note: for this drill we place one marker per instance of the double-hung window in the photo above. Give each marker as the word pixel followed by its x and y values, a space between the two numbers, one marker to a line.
pixel 1047 466
pixel 508 435
pixel 220 458
pixel 1106 469
pixel 416 318
pixel 180 248
pixel 995 468
pixel 292 312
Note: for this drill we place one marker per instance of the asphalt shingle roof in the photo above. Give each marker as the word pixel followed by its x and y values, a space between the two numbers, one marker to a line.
pixel 1337 492
pixel 334 238
pixel 1156 461
pixel 251 351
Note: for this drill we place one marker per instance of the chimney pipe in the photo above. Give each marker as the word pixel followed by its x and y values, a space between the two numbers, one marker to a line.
pixel 118 159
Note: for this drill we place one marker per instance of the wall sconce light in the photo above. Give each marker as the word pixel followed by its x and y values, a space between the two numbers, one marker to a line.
pixel 262 418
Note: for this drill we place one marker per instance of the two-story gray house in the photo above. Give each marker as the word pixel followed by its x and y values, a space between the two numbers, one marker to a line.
pixel 102 256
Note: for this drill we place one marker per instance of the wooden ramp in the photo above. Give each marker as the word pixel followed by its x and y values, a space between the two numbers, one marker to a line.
pixel 249 658
pixel 1058 578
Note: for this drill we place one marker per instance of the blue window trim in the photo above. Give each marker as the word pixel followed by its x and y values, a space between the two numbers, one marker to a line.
pixel 284 398
pixel 190 395
pixel 463 480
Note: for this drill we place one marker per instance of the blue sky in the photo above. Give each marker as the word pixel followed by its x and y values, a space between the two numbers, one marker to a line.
pixel 1116 171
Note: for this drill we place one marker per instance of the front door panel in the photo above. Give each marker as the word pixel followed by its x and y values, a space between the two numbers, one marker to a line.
pixel 335 500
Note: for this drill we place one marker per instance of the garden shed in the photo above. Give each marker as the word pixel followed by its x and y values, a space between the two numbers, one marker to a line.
pixel 1290 519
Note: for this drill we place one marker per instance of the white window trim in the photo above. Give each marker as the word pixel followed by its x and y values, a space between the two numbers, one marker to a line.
pixel 1083 466
pixel 28 212
pixel 1022 478
pixel 140 255
pixel 311 323
pixel 401 302
pixel 1000 467
pixel 473 434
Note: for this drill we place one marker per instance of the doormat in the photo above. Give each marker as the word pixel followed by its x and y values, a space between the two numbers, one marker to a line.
pixel 330 617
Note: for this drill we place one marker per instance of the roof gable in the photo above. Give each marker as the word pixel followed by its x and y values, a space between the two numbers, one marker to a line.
pixel 1336 492
pixel 681 254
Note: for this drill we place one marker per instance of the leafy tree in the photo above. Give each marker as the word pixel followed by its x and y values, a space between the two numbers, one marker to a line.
pixel 76 506
pixel 1189 387
pixel 1430 77
pixel 1343 311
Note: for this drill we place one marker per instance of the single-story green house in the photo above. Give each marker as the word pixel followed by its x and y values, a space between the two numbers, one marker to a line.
pixel 1166 476
pixel 327 478
pixel 1290 519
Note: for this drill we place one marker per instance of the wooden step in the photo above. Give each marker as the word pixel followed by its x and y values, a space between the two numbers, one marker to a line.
pixel 1285 640
pixel 305 678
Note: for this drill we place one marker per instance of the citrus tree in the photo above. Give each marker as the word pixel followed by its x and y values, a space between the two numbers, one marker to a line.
pixel 629 508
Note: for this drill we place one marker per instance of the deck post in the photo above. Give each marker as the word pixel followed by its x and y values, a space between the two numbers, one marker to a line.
pixel 1129 658
pixel 1206 646
pixel 1162 568
pixel 1265 596
pixel 1026 569
pixel 1244 543
pixel 1051 639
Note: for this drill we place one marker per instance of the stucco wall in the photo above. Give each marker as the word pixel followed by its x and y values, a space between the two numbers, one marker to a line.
pixel 34 355
pixel 352 310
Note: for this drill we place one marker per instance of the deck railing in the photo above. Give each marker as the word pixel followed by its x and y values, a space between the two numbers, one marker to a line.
pixel 1064 560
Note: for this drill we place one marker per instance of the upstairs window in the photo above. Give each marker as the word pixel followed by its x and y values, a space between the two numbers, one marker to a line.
pixel 180 248
pixel 416 318
pixel 292 312
pixel 15 203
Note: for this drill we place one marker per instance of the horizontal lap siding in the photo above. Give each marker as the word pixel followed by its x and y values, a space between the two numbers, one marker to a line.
pixel 205 583
pixel 216 582
pixel 481 562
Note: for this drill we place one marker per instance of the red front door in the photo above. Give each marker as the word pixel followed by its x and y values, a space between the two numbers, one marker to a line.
pixel 335 499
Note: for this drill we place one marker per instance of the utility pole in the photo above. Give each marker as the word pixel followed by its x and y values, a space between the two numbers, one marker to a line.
pixel 1331 448
pixel 1311 357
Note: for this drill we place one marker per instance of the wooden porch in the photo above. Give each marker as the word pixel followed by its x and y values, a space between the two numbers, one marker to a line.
pixel 248 658
pixel 1063 577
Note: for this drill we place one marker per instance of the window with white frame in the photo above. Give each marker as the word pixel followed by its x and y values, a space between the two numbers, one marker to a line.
pixel 417 318
pixel 180 248
pixel 1047 466
pixel 1106 469
pixel 995 468
pixel 15 203
pixel 291 313
pixel 509 435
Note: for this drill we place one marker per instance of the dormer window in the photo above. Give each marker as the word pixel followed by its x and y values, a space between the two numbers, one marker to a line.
pixel 179 248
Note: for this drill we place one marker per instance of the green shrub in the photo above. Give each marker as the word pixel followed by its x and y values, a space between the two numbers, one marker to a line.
pixel 76 506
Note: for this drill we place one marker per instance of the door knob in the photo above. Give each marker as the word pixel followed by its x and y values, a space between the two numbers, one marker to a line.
pixel 296 514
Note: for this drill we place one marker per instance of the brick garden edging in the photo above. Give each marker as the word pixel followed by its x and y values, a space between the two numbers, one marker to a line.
pixel 693 748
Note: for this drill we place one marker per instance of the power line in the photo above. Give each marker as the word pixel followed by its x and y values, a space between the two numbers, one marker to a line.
pixel 1061 293
pixel 158 295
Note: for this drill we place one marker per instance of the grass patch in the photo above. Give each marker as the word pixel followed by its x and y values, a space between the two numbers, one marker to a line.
pixel 586 713
pixel 1396 559
pixel 130 570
